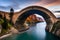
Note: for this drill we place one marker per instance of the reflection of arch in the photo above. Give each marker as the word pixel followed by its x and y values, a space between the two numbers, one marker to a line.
pixel 48 16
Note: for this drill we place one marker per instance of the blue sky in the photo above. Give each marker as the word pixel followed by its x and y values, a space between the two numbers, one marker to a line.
pixel 5 5
pixel 17 5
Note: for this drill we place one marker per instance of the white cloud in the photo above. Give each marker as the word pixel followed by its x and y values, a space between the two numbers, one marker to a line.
pixel 54 8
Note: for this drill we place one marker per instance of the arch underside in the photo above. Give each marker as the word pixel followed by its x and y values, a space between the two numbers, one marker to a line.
pixel 24 16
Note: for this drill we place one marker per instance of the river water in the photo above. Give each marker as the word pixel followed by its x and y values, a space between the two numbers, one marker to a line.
pixel 36 32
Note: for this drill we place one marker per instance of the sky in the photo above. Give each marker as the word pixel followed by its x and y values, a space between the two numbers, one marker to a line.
pixel 17 5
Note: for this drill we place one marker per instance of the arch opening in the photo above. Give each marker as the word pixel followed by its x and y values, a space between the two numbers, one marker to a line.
pixel 34 19
pixel 24 16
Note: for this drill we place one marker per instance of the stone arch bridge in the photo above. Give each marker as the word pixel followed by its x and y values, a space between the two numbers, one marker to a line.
pixel 24 13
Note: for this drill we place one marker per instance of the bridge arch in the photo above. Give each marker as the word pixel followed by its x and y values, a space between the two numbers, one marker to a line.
pixel 47 15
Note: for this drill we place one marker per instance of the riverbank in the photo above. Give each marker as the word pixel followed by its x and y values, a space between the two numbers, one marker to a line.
pixel 4 36
pixel 12 32
pixel 34 33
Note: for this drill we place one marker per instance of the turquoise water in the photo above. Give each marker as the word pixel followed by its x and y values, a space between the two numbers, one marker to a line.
pixel 36 32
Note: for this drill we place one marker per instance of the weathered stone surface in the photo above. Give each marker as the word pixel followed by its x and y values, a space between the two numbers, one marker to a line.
pixel 0 28
pixel 13 30
pixel 58 32
pixel 56 28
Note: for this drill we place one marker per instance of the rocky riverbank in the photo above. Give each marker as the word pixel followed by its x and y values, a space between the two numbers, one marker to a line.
pixel 56 28
pixel 12 31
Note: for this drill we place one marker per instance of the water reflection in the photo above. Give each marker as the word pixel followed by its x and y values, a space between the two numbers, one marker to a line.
pixel 36 32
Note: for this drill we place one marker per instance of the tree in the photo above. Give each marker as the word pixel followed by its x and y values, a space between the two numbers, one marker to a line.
pixel 5 23
pixel 1 20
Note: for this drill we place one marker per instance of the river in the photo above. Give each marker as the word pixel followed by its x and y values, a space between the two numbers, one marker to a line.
pixel 36 32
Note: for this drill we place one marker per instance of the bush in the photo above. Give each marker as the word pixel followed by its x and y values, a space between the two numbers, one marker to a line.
pixel 1 21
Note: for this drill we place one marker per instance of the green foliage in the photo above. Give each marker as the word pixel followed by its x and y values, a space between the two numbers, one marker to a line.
pixel 9 25
pixel 3 31
pixel 6 24
pixel 6 29
pixel 1 21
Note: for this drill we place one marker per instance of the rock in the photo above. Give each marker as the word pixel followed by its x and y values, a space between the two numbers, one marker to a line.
pixel 58 32
pixel 0 28
pixel 13 30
